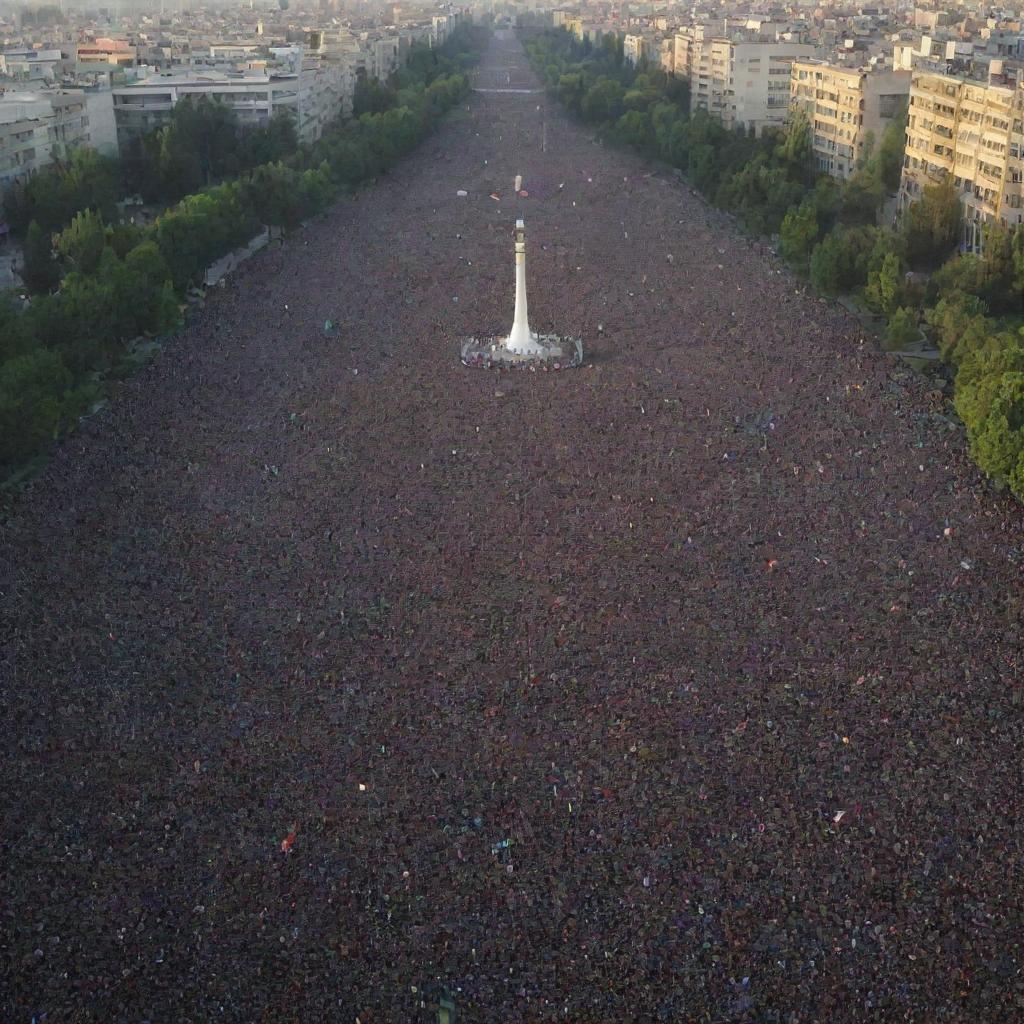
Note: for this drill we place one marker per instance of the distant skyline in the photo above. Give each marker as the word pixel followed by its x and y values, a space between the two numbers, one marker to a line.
pixel 9 7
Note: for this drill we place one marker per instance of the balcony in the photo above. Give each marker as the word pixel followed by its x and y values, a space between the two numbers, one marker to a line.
pixel 990 180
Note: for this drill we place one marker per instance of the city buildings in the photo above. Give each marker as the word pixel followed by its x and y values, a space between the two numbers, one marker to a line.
pixel 634 49
pixel 741 77
pixel 37 128
pixel 147 104
pixel 972 132
pixel 117 52
pixel 847 110
pixel 26 64
pixel 128 68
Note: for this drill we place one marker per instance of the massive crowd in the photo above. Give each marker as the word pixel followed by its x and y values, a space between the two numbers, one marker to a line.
pixel 340 678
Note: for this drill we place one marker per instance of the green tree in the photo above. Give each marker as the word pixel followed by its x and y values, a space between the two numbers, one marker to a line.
pixel 122 238
pixel 271 192
pixel 931 226
pixel 992 277
pixel 53 195
pixel 82 242
pixel 888 161
pixel 759 193
pixel 883 291
pixel 179 170
pixel 634 129
pixel 48 322
pixel 862 198
pixel 977 378
pixel 36 398
pixel 603 101
pixel 278 140
pixel 16 335
pixel 198 147
pixel 371 97
pixel 39 269
pixel 959 324
pixel 794 150
pixel 799 235
pixel 315 188
pixel 989 399
pixel 827 199
pixel 200 230
pixel 100 320
pixel 902 329
pixel 832 270
pixel 571 90
pixel 146 288
pixel 703 166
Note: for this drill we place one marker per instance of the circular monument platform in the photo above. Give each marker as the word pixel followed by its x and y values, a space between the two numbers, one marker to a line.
pixel 522 347
pixel 550 352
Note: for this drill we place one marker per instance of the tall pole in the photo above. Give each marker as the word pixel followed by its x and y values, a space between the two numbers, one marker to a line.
pixel 519 339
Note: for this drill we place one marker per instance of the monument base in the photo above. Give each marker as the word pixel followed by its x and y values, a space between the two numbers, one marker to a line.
pixel 551 352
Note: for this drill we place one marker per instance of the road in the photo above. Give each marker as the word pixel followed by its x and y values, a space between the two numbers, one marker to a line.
pixel 682 686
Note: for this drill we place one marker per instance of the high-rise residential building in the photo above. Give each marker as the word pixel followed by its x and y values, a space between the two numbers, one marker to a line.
pixel 973 132
pixel 634 49
pixel 742 79
pixel 847 110
pixel 146 105
pixel 37 128
pixel 692 59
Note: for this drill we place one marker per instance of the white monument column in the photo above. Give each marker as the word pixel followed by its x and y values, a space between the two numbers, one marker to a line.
pixel 522 347
pixel 520 339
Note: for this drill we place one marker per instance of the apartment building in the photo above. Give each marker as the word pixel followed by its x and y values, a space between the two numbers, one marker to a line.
pixel 930 54
pixel 441 26
pixel 382 56
pixel 146 105
pixel 30 65
pixel 117 52
pixel 846 108
pixel 326 91
pixel 37 128
pixel 315 87
pixel 692 59
pixel 634 49
pixel 973 132
pixel 741 79
pixel 666 55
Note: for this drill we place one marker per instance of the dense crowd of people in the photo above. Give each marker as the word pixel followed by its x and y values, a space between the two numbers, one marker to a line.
pixel 341 678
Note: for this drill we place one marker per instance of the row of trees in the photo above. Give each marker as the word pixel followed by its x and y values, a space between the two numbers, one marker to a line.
pixel 202 144
pixel 830 230
pixel 96 284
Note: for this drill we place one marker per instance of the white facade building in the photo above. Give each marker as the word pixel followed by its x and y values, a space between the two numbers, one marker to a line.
pixel 37 128
pixel 30 65
pixel 316 89
pixel 634 49
pixel 741 80
pixel 147 104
